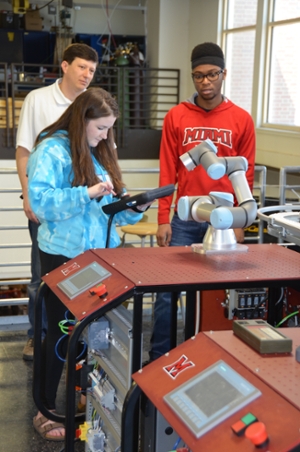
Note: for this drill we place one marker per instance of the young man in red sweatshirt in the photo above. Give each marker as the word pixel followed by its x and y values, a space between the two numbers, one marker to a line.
pixel 206 114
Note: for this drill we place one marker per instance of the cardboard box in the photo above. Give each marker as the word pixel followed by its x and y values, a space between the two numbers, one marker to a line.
pixel 33 21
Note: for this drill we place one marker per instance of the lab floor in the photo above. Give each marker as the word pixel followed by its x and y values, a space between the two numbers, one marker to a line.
pixel 17 407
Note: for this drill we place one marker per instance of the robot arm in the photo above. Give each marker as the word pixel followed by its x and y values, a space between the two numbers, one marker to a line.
pixel 217 208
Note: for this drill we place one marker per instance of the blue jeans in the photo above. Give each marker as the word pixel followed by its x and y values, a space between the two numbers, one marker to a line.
pixel 35 282
pixel 183 234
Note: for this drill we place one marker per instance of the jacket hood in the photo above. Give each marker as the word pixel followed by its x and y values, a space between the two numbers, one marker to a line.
pixel 191 103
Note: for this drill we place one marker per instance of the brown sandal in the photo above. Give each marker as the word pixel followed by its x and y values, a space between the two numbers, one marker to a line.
pixel 42 429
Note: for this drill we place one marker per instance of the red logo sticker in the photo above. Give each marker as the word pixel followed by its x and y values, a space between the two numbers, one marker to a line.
pixel 70 269
pixel 174 369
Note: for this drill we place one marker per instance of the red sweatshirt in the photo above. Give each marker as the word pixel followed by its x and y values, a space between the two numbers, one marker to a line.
pixel 228 126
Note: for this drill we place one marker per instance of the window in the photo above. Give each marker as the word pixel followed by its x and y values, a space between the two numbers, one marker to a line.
pixel 238 44
pixel 282 88
pixel 272 63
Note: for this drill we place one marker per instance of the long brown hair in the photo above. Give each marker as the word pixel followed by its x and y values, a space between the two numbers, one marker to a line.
pixel 92 104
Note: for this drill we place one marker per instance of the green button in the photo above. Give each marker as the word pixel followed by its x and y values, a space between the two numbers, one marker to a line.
pixel 249 419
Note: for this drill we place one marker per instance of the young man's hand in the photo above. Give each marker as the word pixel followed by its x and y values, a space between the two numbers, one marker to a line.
pixel 164 234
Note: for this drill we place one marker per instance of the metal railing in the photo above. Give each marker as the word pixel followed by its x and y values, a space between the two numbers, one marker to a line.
pixel 12 273
pixel 144 95
pixel 287 187
pixel 288 175
pixel 4 103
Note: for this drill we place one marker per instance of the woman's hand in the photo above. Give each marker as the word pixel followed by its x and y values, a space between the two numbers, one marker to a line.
pixel 101 189
pixel 143 207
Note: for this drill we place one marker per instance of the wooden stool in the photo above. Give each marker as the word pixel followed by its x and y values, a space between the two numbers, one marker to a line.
pixel 141 229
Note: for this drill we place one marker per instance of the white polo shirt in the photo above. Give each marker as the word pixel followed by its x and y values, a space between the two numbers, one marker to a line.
pixel 41 107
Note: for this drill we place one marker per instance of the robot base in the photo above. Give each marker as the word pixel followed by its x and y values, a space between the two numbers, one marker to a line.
pixel 217 241
pixel 199 248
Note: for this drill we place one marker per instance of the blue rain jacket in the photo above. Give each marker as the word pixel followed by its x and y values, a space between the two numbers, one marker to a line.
pixel 71 222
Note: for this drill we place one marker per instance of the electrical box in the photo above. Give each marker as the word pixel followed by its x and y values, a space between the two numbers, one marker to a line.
pixel 157 434
pixel 247 303
pixel 9 20
pixel 11 48
pixel 110 346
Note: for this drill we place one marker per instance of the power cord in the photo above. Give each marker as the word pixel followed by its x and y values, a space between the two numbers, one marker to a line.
pixel 66 326
pixel 292 314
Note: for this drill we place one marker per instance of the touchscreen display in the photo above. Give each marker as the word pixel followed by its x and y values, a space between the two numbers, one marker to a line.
pixel 212 393
pixel 210 397
pixel 86 277
pixel 83 280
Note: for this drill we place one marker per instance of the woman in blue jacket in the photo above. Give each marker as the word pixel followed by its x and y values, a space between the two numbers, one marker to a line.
pixel 73 172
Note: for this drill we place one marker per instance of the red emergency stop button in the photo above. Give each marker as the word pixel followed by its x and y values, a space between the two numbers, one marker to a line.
pixel 99 290
pixel 257 434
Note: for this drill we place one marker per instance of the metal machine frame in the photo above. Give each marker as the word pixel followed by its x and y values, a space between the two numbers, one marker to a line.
pixel 137 271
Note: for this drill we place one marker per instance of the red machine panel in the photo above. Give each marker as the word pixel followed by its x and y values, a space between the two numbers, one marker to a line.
pixel 178 266
pixel 280 417
pixel 212 315
pixel 83 305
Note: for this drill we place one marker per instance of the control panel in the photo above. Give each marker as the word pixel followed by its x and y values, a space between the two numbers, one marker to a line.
pixel 198 382
pixel 246 303
pixel 110 351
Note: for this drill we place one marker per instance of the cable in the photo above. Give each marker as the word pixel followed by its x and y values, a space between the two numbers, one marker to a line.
pixel 176 444
pixel 198 312
pixel 108 230
pixel 108 21
pixel 108 28
pixel 66 326
pixel 76 440
pixel 281 297
pixel 44 6
pixel 58 344
pixel 286 318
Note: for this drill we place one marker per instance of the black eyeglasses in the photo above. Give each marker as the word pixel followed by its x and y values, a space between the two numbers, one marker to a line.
pixel 211 76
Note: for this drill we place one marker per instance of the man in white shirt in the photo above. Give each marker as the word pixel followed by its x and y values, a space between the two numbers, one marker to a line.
pixel 41 108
